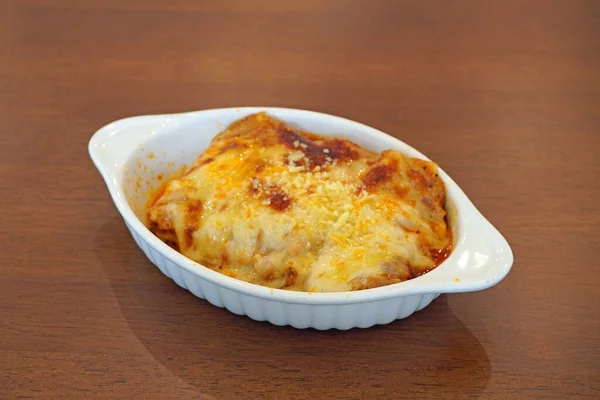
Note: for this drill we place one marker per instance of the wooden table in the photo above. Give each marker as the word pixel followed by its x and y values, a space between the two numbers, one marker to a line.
pixel 504 95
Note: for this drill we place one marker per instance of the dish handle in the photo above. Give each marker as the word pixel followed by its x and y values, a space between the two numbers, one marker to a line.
pixel 481 258
pixel 112 144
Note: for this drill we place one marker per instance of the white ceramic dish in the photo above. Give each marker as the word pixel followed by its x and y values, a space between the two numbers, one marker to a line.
pixel 134 154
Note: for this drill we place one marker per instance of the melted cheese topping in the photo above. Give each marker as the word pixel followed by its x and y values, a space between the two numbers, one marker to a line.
pixel 293 210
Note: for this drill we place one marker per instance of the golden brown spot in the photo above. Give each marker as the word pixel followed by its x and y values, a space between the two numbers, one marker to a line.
pixel 276 198
pixel 341 150
pixel 294 140
pixel 279 201
pixel 318 154
pixel 402 191
pixel 151 156
pixel 288 137
pixel 194 206
pixel 378 174
pixel 160 177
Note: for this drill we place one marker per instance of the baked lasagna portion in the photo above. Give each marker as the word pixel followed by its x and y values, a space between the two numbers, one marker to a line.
pixel 287 209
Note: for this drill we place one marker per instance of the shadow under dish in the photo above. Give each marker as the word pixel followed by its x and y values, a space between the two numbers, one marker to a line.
pixel 232 357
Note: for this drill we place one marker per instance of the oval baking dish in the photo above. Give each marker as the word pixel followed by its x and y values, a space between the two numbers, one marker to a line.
pixel 135 155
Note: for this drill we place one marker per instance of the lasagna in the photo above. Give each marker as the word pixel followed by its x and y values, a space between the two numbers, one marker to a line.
pixel 287 209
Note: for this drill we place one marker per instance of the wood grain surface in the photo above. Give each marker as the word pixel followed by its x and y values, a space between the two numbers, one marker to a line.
pixel 504 95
